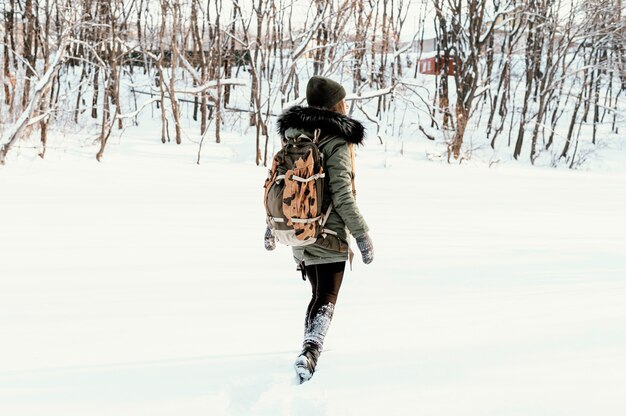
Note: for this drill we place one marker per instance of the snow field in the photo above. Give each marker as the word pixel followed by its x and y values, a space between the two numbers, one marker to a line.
pixel 140 286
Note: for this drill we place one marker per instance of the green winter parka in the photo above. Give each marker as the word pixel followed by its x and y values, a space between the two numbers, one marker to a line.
pixel 337 131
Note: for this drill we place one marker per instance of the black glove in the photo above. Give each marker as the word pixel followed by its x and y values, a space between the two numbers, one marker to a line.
pixel 364 242
pixel 270 242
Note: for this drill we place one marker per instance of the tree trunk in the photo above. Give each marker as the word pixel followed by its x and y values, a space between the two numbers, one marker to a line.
pixel 29 40
pixel 462 117
pixel 174 66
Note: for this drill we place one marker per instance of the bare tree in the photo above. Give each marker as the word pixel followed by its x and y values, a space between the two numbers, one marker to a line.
pixel 31 114
pixel 470 30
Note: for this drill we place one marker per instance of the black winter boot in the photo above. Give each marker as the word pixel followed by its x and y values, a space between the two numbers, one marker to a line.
pixel 314 334
pixel 307 361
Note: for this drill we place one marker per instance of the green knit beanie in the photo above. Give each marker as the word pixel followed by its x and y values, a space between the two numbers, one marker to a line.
pixel 324 92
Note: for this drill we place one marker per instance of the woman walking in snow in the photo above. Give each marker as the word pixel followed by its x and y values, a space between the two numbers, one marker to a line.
pixel 323 263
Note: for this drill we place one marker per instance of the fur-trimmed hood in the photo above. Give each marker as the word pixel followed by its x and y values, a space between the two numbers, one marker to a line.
pixel 329 122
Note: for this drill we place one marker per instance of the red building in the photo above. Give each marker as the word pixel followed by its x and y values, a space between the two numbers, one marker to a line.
pixel 432 65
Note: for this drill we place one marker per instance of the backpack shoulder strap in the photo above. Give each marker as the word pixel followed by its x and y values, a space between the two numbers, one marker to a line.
pixel 353 169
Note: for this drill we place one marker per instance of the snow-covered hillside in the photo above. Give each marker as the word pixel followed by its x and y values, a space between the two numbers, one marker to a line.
pixel 140 286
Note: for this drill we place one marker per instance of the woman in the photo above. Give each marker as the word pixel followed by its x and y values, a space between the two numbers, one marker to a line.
pixel 324 262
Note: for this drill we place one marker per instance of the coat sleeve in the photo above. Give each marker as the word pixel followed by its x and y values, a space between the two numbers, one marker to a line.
pixel 339 170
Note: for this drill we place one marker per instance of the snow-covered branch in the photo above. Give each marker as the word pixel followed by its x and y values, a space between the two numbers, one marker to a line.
pixel 213 84
pixel 369 95
pixel 14 133
pixel 140 109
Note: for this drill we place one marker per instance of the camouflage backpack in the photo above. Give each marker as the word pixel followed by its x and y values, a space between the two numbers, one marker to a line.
pixel 294 191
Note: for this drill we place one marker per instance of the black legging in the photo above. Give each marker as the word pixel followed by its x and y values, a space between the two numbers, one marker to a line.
pixel 325 282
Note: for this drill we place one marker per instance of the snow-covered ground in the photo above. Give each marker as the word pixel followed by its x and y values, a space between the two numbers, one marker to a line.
pixel 140 286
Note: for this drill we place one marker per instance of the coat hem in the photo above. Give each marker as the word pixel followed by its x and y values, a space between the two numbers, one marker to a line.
pixel 321 260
